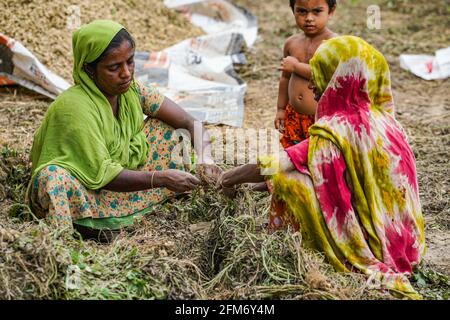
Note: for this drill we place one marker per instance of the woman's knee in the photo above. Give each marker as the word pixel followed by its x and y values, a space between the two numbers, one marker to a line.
pixel 53 175
pixel 52 170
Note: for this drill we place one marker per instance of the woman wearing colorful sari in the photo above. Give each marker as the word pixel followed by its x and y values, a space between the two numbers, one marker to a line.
pixel 351 188
pixel 95 162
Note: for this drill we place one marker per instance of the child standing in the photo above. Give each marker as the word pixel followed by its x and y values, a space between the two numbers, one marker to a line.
pixel 296 105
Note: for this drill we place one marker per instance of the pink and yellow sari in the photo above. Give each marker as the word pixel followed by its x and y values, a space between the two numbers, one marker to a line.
pixel 354 192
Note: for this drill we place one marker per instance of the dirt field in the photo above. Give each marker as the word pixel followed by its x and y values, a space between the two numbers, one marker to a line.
pixel 422 107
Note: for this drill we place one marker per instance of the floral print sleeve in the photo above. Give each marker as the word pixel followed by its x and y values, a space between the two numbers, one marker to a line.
pixel 151 99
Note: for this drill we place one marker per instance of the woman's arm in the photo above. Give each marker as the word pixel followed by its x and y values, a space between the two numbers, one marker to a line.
pixel 155 105
pixel 175 116
pixel 175 180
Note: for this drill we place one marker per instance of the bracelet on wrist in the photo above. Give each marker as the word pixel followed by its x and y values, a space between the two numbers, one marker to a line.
pixel 151 179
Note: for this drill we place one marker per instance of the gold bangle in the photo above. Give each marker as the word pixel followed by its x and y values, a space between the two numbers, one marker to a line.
pixel 151 180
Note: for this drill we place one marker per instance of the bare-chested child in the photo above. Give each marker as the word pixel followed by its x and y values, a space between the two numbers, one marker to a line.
pixel 296 105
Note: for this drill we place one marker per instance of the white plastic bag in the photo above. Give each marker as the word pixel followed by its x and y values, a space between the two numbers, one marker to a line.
pixel 199 75
pixel 19 65
pixel 426 66
pixel 217 16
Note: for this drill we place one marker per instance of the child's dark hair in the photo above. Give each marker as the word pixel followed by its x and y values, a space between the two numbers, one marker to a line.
pixel 331 4
pixel 120 37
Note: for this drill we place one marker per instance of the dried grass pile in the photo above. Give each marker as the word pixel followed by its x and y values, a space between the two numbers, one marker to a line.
pixel 240 260
pixel 45 26
pixel 39 262
pixel 32 264
pixel 203 246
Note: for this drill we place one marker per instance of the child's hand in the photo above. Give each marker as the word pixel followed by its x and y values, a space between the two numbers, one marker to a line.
pixel 288 64
pixel 279 120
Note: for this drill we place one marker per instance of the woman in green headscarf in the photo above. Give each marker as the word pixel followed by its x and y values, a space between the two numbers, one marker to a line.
pixel 95 161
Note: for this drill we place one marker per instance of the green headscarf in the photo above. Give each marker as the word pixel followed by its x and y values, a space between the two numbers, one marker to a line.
pixel 79 131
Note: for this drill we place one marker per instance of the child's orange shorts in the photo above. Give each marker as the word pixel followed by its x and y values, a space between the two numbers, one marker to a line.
pixel 296 127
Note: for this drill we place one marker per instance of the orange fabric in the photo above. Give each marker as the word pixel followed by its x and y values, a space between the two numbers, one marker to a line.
pixel 296 127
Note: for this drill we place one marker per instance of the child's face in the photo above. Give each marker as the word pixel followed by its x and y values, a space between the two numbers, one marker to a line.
pixel 312 16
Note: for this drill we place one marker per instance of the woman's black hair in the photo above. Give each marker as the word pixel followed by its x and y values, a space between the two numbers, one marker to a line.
pixel 331 4
pixel 118 39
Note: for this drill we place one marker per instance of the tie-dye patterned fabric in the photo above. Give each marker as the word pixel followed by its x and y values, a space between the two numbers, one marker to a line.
pixel 355 193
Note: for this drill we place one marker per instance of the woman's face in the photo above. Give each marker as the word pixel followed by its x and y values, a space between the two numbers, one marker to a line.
pixel 115 71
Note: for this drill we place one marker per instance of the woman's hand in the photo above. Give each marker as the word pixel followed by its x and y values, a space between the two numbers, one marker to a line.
pixel 177 180
pixel 225 185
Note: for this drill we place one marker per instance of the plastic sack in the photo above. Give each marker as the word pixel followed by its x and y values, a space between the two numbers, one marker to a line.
pixel 426 66
pixel 217 16
pixel 19 66
pixel 199 75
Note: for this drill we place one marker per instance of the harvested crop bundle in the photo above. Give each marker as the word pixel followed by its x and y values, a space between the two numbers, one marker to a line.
pixel 208 180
